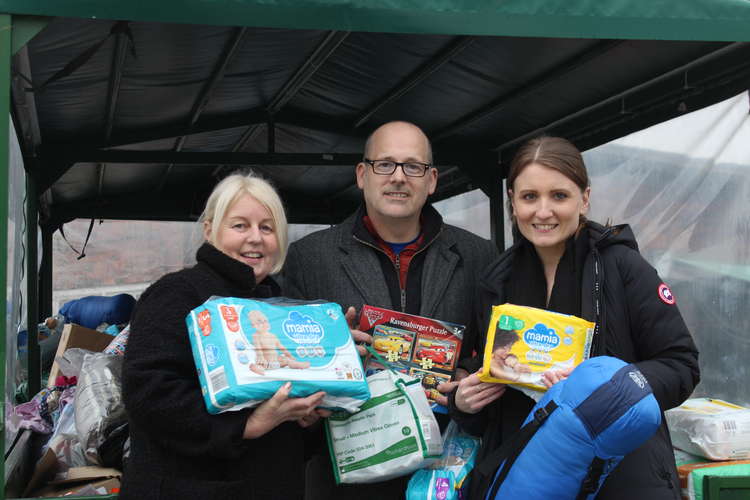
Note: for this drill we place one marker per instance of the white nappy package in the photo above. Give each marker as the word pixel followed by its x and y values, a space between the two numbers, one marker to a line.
pixel 245 350
pixel 710 428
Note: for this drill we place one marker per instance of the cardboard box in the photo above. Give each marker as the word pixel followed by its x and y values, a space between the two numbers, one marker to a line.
pixel 108 486
pixel 421 347
pixel 43 484
pixel 77 336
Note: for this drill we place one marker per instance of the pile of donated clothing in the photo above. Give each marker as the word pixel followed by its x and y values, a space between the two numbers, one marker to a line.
pixel 80 416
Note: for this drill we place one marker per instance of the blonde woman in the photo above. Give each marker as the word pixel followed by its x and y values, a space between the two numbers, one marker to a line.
pixel 178 450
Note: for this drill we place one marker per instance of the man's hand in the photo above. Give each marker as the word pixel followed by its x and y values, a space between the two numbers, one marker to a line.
pixel 473 394
pixel 551 377
pixel 447 387
pixel 358 335
pixel 280 408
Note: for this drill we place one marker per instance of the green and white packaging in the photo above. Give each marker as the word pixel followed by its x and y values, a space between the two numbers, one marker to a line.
pixel 393 434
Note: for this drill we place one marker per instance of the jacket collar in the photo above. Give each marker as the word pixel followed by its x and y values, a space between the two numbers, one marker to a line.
pixel 430 220
pixel 603 236
pixel 241 276
pixel 359 262
pixel 499 271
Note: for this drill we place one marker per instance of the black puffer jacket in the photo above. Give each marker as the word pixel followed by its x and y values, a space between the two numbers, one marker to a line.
pixel 178 450
pixel 620 292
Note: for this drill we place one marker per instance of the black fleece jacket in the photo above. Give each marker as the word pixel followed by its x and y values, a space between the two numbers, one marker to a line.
pixel 179 450
pixel 633 324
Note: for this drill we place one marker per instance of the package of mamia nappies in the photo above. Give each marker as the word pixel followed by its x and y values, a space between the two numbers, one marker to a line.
pixel 524 342
pixel 246 349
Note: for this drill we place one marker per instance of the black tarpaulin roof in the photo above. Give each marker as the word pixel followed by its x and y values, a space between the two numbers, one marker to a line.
pixel 137 119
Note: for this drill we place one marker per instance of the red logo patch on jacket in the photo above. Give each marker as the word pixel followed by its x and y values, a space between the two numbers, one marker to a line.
pixel 665 294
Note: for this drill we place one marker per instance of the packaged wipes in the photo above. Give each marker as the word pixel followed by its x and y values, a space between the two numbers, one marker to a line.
pixel 393 434
pixel 246 349
pixel 710 428
pixel 524 342
pixel 444 479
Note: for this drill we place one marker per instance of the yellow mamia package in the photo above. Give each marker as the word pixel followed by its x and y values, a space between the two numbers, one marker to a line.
pixel 524 342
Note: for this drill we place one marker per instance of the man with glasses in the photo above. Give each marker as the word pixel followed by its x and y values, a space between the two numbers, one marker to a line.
pixel 394 252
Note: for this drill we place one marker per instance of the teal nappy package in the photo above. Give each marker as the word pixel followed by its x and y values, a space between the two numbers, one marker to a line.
pixel 245 350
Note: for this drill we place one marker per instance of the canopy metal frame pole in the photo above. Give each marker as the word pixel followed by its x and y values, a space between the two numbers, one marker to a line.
pixel 5 56
pixel 45 274
pixel 32 288
pixel 497 213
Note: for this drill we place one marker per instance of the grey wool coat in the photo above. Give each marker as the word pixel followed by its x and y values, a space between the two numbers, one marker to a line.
pixel 333 265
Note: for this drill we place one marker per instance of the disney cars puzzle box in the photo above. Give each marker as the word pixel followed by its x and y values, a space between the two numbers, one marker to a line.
pixel 421 347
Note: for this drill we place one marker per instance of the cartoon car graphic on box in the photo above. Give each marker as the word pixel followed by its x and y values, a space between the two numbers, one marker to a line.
pixel 391 343
pixel 437 353
pixel 430 383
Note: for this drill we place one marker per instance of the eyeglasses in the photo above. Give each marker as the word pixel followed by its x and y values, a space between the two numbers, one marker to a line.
pixel 410 168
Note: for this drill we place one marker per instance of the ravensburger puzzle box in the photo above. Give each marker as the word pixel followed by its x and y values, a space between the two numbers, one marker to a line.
pixel 422 347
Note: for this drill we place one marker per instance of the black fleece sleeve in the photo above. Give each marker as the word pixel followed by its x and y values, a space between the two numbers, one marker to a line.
pixel 473 423
pixel 668 356
pixel 161 389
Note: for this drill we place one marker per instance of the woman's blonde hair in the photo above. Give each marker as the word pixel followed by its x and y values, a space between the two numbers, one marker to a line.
pixel 232 188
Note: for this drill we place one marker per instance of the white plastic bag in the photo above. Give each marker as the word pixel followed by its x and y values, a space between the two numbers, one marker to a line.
pixel 99 405
pixel 64 442
pixel 393 434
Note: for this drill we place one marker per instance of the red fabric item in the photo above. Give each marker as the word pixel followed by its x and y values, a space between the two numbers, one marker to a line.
pixel 63 381
pixel 403 259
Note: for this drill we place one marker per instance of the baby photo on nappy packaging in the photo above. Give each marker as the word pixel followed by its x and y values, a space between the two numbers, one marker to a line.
pixel 246 349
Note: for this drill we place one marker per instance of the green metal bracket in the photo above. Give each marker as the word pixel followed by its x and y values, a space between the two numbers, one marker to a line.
pixel 25 28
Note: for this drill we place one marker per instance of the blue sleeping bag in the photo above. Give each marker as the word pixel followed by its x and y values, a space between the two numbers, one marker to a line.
pixel 578 433
pixel 94 310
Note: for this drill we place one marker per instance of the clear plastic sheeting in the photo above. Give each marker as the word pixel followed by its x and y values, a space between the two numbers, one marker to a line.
pixel 683 186
pixel 121 257
pixel 16 284
pixel 469 211
pixel 126 256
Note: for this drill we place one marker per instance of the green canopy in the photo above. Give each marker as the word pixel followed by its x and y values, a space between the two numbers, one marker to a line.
pixel 718 20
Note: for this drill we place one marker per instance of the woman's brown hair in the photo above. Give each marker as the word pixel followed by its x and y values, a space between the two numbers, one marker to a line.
pixel 551 152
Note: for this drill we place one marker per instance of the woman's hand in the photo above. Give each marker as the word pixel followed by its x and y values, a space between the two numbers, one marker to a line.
pixel 358 335
pixel 473 394
pixel 309 420
pixel 280 408
pixel 551 377
pixel 447 387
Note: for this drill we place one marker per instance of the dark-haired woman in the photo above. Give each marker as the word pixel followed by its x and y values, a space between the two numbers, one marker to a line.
pixel 565 263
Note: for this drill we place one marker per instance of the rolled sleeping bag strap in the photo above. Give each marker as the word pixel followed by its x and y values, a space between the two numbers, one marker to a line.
pixel 515 446
pixel 490 463
pixel 591 482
